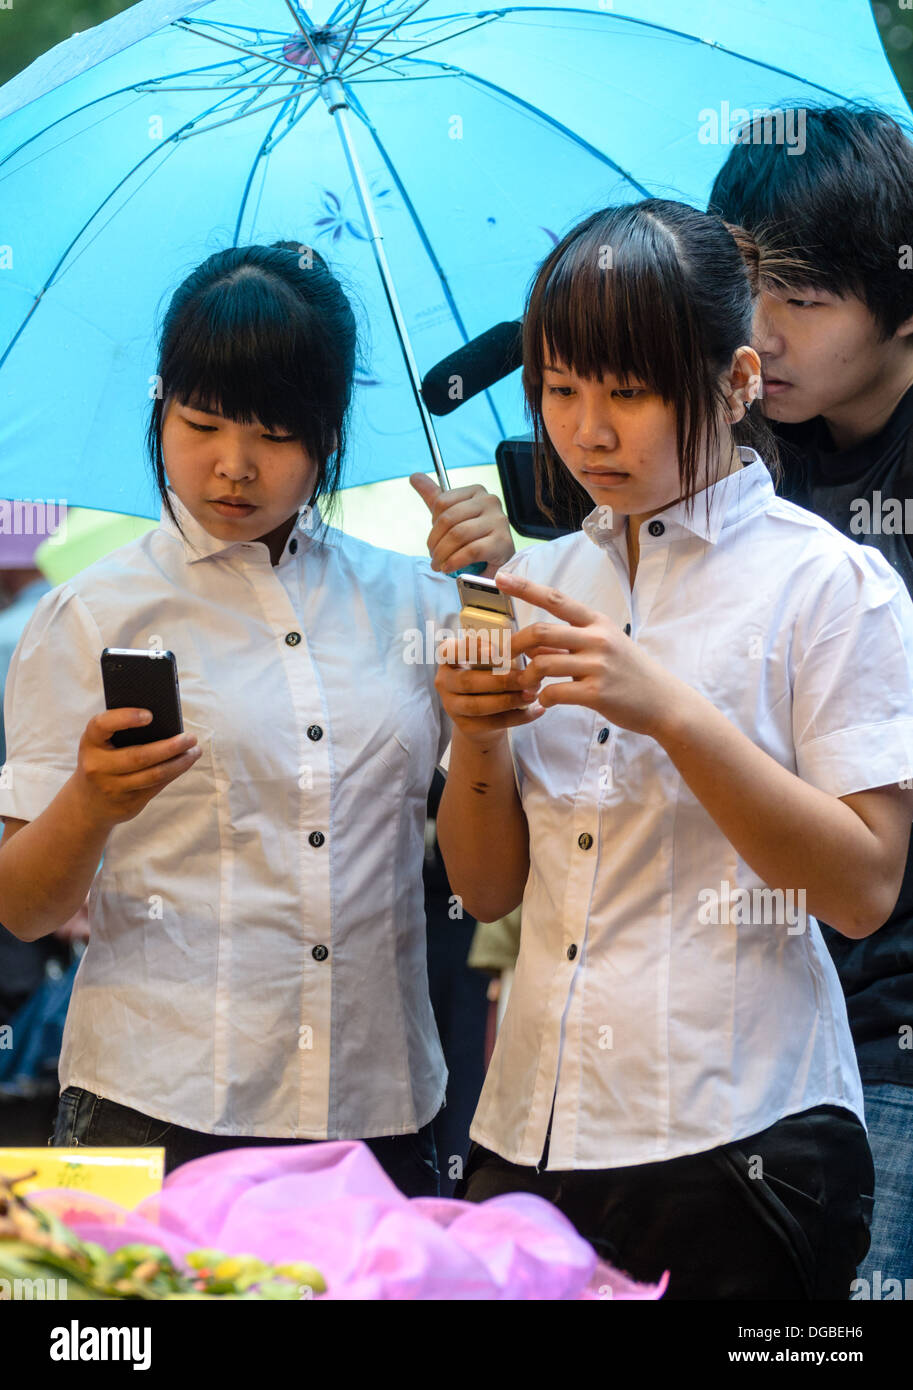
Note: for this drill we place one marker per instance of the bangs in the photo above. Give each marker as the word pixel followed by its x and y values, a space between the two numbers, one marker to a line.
pixel 614 302
pixel 245 354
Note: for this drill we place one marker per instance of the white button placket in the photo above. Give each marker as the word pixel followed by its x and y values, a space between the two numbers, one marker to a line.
pixel 583 848
pixel 313 778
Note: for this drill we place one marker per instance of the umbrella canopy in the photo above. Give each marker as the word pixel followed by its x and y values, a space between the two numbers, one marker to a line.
pixel 129 153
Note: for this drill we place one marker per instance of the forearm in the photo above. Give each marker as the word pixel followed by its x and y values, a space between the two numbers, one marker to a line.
pixel 482 830
pixel 47 867
pixel 793 835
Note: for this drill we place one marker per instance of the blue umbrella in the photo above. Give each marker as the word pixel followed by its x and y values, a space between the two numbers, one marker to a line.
pixel 434 154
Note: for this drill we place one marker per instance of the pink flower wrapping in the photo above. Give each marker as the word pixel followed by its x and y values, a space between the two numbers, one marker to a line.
pixel 332 1205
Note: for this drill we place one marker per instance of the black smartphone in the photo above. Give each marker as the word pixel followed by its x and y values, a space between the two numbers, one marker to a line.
pixel 146 680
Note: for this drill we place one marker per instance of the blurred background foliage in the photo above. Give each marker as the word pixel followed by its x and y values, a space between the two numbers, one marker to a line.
pixel 29 27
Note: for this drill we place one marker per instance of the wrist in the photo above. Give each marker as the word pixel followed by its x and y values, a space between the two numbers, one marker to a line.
pixel 677 716
pixel 477 744
pixel 84 809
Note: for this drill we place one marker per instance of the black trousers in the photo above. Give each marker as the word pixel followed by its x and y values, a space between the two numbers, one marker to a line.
pixel 409 1160
pixel 783 1214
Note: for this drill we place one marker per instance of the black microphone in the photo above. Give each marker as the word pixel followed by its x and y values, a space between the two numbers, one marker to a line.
pixel 474 367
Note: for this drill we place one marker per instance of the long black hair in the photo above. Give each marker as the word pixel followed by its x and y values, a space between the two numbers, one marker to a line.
pixel 261 333
pixel 655 292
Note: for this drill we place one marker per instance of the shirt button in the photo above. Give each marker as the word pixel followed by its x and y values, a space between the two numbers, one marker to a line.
pixel 656 528
pixel 571 952
pixel 292 638
pixel 316 838
pixel 585 841
pixel 314 732
pixel 603 735
pixel 292 546
pixel 320 952
pixel 627 629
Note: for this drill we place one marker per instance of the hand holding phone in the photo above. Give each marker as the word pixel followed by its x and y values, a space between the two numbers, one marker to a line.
pixel 114 783
pixel 137 746
pixel 488 620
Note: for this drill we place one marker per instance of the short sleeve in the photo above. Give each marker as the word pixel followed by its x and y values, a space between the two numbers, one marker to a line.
pixel 53 687
pixel 853 679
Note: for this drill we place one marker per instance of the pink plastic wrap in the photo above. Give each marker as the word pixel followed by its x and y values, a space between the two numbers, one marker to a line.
pixel 334 1206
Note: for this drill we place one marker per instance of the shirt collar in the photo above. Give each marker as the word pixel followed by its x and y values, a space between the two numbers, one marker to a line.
pixel 731 498
pixel 201 544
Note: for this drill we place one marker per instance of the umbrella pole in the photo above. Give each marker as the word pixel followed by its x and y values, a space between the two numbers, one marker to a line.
pixel 334 95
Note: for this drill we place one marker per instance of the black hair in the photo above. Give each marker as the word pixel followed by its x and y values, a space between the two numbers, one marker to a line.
pixel 261 333
pixel 654 292
pixel 843 207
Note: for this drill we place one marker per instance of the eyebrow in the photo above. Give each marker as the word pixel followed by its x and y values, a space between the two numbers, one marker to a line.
pixel 559 370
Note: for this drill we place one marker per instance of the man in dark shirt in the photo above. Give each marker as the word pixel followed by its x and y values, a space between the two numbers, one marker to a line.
pixel 835 338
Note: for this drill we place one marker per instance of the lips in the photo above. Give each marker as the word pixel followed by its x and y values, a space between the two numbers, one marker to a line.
pixel 232 508
pixel 607 475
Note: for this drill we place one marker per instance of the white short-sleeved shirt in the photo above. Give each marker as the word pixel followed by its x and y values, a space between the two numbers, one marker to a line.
pixel 659 1021
pixel 257 954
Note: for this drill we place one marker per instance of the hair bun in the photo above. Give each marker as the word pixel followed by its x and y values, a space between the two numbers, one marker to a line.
pixel 750 252
pixel 299 247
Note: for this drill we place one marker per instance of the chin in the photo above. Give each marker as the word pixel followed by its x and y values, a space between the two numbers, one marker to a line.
pixel 791 409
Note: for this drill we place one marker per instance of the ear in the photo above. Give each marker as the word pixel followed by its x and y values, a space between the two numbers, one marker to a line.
pixel 905 329
pixel 742 383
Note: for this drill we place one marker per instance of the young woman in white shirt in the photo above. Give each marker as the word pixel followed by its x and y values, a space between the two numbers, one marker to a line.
pixel 256 969
pixel 707 747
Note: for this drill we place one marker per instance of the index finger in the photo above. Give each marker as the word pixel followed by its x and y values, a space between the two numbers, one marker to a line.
pixel 551 600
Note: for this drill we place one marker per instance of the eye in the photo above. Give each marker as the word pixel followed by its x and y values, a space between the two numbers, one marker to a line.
pixel 194 426
pixel 805 303
pixel 280 438
pixel 559 391
pixel 628 393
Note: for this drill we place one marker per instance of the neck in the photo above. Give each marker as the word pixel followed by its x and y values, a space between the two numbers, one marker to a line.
pixel 862 417
pixel 729 462
pixel 276 539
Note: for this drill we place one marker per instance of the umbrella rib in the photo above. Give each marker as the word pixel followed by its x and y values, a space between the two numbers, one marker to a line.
pixel 399 23
pixel 665 29
pixel 357 16
pixel 50 279
pixel 420 48
pixel 551 121
pixel 250 177
pixel 426 242
pixel 249 53
pixel 132 87
pixel 240 115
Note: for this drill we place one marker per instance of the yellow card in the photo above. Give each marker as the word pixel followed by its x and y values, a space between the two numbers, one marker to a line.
pixel 124 1176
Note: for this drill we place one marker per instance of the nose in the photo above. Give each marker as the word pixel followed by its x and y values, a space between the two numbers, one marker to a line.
pixel 767 332
pixel 594 429
pixel 235 460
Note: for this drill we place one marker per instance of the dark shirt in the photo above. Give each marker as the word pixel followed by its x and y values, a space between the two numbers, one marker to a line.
pixel 841 486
